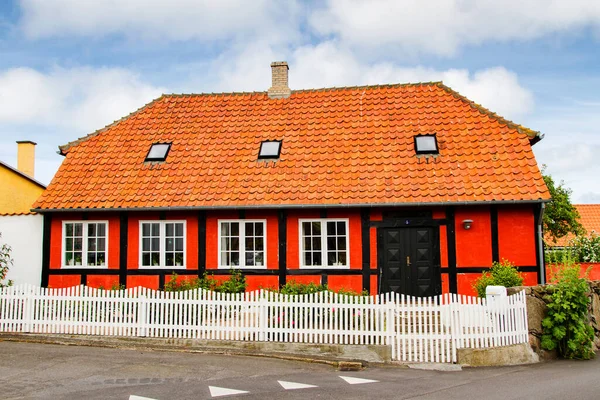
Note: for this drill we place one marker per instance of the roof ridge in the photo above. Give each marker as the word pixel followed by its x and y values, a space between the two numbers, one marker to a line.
pixel 331 88
pixel 533 135
pixel 64 149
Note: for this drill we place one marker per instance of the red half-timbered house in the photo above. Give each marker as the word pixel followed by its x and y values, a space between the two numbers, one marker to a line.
pixel 409 187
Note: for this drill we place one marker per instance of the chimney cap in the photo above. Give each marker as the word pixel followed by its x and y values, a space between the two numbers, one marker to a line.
pixel 26 142
pixel 279 64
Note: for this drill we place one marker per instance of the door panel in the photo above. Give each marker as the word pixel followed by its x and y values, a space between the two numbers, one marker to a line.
pixel 409 264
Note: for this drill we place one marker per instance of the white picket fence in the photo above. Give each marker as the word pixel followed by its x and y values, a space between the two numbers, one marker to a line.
pixel 417 329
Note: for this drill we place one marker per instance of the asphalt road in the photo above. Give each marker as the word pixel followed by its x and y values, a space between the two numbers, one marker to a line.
pixel 41 371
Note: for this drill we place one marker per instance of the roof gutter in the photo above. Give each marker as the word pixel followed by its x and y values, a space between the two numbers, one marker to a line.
pixel 540 238
pixel 299 206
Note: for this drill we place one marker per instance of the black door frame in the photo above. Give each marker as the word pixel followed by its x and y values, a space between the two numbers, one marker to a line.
pixel 400 223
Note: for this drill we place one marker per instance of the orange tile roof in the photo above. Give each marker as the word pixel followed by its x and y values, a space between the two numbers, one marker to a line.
pixel 589 218
pixel 341 147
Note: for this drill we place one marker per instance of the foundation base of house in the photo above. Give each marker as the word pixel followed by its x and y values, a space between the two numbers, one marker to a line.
pixel 517 354
pixel 332 354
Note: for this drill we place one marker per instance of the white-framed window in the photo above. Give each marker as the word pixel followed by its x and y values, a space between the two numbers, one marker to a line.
pixel 162 244
pixel 242 244
pixel 324 243
pixel 85 244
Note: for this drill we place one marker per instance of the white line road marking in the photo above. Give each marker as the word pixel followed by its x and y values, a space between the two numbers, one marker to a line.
pixel 295 385
pixel 216 391
pixel 357 381
pixel 134 397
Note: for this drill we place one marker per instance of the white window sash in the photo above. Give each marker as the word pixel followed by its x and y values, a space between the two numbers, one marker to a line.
pixel 162 244
pixel 84 245
pixel 324 248
pixel 242 241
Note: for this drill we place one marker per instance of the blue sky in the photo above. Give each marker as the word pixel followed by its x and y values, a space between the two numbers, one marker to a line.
pixel 69 67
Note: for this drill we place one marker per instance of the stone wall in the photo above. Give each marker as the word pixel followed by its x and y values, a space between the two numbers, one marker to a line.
pixel 537 308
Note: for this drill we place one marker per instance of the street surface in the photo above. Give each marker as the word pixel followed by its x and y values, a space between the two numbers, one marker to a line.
pixel 42 371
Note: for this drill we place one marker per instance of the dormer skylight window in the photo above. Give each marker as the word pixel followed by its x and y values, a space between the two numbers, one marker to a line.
pixel 158 152
pixel 426 144
pixel 270 150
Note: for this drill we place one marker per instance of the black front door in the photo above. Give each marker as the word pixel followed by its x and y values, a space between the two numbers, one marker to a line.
pixel 409 261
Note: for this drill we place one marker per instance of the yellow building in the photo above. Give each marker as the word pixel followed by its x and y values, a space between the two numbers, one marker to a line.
pixel 19 190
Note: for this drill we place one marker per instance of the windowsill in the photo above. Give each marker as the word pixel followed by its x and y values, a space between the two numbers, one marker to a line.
pixel 324 267
pixel 162 267
pixel 85 267
pixel 241 267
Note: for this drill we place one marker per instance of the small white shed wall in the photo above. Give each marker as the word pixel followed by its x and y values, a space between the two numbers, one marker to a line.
pixel 24 234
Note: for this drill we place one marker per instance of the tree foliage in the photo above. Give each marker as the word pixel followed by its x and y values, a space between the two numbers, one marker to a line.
pixel 501 274
pixel 560 217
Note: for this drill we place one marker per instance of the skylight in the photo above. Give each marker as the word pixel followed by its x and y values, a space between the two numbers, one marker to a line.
pixel 426 144
pixel 270 149
pixel 158 152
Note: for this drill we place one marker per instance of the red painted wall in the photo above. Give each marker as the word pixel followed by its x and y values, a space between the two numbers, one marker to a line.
pixel 516 235
pixel 103 281
pixel 473 246
pixel 63 281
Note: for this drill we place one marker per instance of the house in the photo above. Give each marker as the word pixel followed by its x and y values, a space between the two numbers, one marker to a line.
pixel 407 187
pixel 589 218
pixel 20 227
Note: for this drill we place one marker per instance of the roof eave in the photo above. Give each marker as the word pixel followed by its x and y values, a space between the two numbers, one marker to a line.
pixel 280 206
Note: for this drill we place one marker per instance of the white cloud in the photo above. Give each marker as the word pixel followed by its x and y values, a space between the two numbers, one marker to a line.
pixel 77 99
pixel 203 20
pixel 442 26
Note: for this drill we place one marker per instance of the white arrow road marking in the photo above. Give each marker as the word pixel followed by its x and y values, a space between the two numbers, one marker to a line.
pixel 357 381
pixel 295 385
pixel 219 391
pixel 134 397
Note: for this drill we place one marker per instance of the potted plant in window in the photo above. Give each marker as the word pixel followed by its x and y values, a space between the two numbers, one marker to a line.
pixel 77 260
pixel 258 259
pixel 179 260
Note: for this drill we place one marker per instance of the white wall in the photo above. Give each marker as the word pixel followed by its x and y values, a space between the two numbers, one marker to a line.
pixel 24 234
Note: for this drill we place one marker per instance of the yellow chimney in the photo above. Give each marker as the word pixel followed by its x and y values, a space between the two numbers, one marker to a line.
pixel 26 157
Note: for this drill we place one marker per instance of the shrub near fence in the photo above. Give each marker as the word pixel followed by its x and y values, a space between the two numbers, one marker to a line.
pixel 417 329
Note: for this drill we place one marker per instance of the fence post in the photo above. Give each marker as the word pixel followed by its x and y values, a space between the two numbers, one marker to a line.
pixel 262 312
pixel 28 299
pixel 142 317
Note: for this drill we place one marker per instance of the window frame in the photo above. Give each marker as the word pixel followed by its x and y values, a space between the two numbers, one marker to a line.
pixel 242 250
pixel 324 247
pixel 162 244
pixel 158 159
pixel 270 156
pixel 84 245
pixel 437 148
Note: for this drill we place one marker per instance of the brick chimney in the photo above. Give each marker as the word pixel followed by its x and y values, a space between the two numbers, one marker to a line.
pixel 279 80
pixel 26 157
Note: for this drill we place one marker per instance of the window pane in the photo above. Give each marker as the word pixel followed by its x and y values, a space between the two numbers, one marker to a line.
pixel 69 259
pixel 259 228
pixel 179 229
pixel 307 259
pixel 77 258
pixel 91 259
pixel 146 259
pixel 317 259
pixel 235 258
pixel 249 229
pixel 342 258
pixel 155 229
pixel 249 243
pixel 341 228
pixel 78 229
pixel 101 244
pixel 341 243
pixel 225 229
pixel 316 243
pixel 69 229
pixel 258 244
pixel 145 244
pixel 155 244
pixel 331 228
pixel 169 244
pixel 91 229
pixel 249 258
pixel 224 258
pixel 426 143
pixel 170 229
pixel 92 244
pixel 179 244
pixel 331 242
pixel 170 259
pixel 316 228
pixel 225 243
pixel 145 229
pixel 235 229
pixel 69 244
pixel 235 243
pixel 102 229
pixel 78 244
pixel 155 259
pixel 331 258
pixel 100 258
pixel 306 228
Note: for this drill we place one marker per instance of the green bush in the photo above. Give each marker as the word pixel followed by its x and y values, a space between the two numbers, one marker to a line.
pixel 236 283
pixel 5 262
pixel 295 288
pixel 501 274
pixel 566 328
pixel 586 248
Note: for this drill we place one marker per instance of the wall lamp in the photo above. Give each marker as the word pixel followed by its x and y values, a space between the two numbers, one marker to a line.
pixel 467 223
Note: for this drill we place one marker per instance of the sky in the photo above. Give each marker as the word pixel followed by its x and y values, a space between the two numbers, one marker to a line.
pixel 70 67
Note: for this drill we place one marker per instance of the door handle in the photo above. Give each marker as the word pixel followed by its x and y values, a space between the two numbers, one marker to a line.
pixel 408 261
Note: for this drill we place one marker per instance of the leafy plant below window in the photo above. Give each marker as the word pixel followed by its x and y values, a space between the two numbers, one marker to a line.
pixel 501 274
